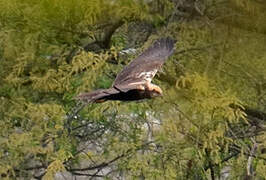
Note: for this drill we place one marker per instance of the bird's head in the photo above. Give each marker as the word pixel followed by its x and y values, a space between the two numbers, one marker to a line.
pixel 156 92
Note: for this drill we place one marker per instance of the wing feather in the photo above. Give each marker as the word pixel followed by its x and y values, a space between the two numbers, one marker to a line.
pixel 96 95
pixel 143 68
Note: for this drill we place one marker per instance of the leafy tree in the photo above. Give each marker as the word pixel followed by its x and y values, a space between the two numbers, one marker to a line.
pixel 210 119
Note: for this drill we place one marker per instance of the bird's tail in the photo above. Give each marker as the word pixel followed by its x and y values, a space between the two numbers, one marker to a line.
pixel 97 96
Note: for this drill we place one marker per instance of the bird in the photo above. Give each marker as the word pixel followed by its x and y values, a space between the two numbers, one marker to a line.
pixel 134 81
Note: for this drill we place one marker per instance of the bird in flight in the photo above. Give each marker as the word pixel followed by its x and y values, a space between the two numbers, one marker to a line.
pixel 134 81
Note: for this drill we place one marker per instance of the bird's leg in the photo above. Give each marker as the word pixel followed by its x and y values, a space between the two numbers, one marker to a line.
pixel 153 87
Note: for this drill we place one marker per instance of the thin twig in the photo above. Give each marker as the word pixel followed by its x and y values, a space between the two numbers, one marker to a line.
pixel 210 164
pixel 80 105
pixel 86 174
pixel 234 154
pixel 250 158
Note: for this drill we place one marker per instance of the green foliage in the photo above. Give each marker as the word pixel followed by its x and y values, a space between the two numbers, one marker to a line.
pixel 36 38
pixel 199 122
pixel 217 70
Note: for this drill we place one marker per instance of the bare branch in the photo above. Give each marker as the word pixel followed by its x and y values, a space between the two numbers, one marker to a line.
pixel 250 158
pixel 104 164
pixel 86 174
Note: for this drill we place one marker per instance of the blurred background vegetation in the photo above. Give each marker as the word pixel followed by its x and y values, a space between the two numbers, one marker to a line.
pixel 210 123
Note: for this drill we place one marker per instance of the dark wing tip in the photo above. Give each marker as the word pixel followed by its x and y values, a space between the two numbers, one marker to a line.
pixel 160 50
pixel 165 43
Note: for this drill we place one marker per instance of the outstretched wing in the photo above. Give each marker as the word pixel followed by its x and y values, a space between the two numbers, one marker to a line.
pixel 142 69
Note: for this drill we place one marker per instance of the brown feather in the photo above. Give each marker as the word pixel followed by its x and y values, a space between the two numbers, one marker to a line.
pixel 97 95
pixel 132 82
pixel 145 66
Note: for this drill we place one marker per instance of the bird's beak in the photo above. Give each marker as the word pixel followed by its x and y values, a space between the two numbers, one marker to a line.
pixel 159 91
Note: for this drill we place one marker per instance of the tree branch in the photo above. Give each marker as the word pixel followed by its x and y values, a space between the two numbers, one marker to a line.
pixel 210 164
pixel 104 164
pixel 103 42
pixel 72 114
pixel 86 174
pixel 250 158
pixel 234 154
